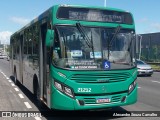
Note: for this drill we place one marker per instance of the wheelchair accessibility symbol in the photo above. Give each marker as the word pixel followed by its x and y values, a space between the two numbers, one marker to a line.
pixel 106 65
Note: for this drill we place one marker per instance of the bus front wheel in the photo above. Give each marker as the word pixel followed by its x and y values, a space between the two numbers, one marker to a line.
pixel 15 78
pixel 37 94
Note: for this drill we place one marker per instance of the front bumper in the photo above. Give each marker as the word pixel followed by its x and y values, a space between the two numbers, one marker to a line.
pixel 145 72
pixel 62 102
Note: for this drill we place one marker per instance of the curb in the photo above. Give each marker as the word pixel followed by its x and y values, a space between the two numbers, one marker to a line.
pixel 156 70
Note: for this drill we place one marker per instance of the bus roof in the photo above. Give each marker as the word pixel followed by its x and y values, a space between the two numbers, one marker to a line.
pixel 93 7
pixel 65 5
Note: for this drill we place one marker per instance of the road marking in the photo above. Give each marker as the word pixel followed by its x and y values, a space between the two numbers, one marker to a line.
pixel 138 87
pixel 4 75
pixel 12 84
pixel 10 91
pixel 9 81
pixel 20 95
pixel 37 118
pixel 27 105
pixel 156 81
pixel 16 89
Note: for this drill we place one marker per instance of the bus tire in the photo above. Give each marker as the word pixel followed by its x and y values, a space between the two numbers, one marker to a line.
pixel 37 93
pixel 15 78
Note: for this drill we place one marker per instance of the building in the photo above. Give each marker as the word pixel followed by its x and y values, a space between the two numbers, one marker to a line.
pixel 150 47
pixel 4 49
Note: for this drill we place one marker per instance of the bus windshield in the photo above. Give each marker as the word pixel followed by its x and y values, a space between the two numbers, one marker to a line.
pixel 97 48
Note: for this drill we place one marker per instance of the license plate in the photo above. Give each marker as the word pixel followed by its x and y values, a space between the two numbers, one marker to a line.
pixel 103 100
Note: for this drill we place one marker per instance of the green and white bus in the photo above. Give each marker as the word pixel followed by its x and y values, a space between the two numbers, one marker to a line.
pixel 76 57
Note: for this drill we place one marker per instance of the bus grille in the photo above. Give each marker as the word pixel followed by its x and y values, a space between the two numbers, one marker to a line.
pixel 114 99
pixel 100 78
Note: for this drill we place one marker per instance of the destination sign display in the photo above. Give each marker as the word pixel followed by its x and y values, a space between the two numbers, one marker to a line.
pixel 97 15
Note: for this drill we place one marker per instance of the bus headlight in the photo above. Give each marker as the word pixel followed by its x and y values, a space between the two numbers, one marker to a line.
pixel 68 91
pixel 131 87
pixel 58 86
pixel 64 89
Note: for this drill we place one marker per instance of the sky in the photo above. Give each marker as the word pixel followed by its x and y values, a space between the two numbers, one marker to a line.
pixel 14 14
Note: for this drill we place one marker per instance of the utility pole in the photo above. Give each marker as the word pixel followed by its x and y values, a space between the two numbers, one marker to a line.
pixel 3 49
pixel 105 2
pixel 140 46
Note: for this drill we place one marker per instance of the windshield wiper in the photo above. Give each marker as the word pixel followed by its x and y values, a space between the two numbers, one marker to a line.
pixel 65 39
pixel 118 28
pixel 130 48
pixel 81 30
pixel 88 41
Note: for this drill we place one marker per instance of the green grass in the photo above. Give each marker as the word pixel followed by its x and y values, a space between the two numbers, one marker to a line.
pixel 156 67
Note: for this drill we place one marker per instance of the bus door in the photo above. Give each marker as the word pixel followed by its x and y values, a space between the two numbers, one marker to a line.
pixel 11 55
pixel 21 59
pixel 44 63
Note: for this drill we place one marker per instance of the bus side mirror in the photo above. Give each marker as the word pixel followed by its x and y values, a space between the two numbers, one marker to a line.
pixel 49 37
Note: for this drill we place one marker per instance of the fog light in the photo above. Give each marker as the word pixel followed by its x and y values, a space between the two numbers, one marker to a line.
pixel 81 102
pixel 123 99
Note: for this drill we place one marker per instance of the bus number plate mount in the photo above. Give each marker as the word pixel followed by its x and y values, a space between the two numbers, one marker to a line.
pixel 103 100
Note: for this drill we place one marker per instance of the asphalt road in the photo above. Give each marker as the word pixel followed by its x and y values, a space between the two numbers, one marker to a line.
pixel 20 100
